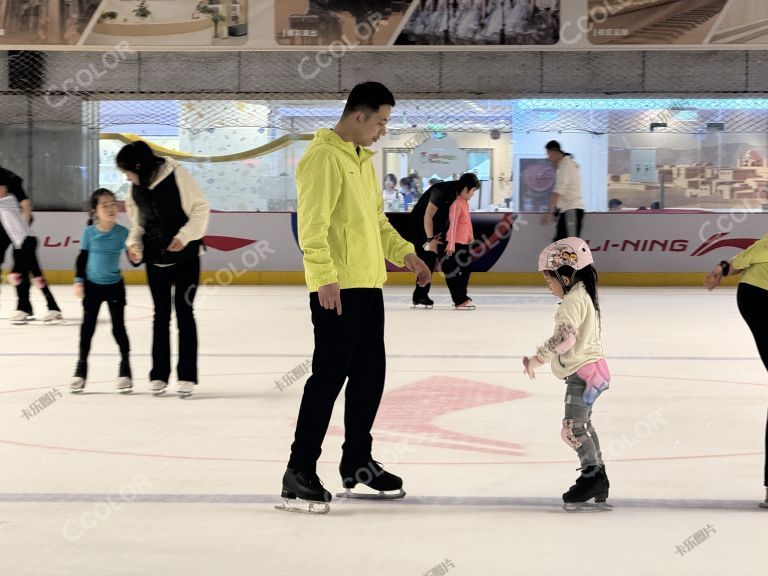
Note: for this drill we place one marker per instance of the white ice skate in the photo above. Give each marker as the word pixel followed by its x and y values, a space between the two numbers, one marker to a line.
pixel 52 317
pixel 184 388
pixel 124 385
pixel 77 385
pixel 157 387
pixel 20 317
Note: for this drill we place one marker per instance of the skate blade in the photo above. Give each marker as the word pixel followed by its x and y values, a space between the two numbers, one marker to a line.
pixel 80 391
pixel 125 390
pixel 422 307
pixel 368 496
pixel 184 394
pixel 309 506
pixel 158 392
pixel 587 507
pixel 764 505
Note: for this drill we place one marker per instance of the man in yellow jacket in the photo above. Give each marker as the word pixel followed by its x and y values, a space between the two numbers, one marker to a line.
pixel 345 237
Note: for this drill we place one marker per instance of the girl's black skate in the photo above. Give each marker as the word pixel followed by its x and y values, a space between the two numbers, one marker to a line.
pixel 304 485
pixel 593 483
pixel 370 474
pixel 425 303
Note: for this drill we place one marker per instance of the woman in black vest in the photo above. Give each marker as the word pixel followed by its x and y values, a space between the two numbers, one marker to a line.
pixel 169 217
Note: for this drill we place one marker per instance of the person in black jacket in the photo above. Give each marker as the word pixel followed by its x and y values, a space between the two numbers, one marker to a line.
pixel 428 227
pixel 169 217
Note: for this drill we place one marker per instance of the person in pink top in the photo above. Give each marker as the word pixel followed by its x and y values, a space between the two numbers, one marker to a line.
pixel 457 261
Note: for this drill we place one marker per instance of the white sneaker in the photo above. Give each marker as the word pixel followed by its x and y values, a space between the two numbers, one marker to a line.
pixel 20 317
pixel 158 387
pixel 124 384
pixel 185 388
pixel 77 385
pixel 52 317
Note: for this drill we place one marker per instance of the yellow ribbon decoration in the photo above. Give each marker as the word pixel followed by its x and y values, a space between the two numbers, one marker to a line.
pixel 274 146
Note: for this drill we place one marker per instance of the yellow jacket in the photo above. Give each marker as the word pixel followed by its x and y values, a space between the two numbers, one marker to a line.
pixel 753 262
pixel 343 231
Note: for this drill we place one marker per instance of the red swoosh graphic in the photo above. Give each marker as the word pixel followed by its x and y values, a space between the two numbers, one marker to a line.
pixel 412 409
pixel 741 243
pixel 227 243
pixel 707 242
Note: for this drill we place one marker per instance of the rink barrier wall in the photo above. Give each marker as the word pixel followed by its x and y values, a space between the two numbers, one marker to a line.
pixel 630 248
pixel 250 278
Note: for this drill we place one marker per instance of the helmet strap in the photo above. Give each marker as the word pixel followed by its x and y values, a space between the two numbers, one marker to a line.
pixel 566 286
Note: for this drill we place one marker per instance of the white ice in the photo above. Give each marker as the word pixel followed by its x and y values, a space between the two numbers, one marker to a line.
pixel 111 485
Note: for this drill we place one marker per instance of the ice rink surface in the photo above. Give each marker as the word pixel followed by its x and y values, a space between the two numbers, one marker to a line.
pixel 104 484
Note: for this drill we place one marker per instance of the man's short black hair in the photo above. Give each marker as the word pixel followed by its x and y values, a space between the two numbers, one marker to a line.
pixel 368 97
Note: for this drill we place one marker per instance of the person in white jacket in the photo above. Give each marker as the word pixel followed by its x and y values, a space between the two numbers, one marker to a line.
pixel 169 217
pixel 566 204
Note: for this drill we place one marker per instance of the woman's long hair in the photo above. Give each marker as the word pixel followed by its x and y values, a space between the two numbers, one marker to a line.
pixel 138 157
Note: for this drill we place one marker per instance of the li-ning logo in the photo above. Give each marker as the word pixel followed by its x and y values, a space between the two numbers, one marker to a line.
pixel 679 245
pixel 220 243
pixel 714 242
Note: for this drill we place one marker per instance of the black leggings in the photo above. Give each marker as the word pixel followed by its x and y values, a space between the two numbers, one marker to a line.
pixel 114 296
pixel 752 305
pixel 25 264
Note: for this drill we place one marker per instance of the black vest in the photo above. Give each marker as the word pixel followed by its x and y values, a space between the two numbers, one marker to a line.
pixel 161 216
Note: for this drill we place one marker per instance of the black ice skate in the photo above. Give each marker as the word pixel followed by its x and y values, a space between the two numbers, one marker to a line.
pixel 425 303
pixel 304 485
pixel 370 474
pixel 593 483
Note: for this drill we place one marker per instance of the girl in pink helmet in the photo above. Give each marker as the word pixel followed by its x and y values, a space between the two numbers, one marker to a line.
pixel 576 355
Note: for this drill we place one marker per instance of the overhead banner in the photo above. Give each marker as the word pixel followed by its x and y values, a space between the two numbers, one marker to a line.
pixel 383 24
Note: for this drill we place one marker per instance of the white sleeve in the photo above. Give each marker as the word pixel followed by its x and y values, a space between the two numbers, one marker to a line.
pixel 195 206
pixel 136 231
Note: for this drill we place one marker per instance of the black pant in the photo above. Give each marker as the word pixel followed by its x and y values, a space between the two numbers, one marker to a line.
pixel 456 282
pixel 114 296
pixel 186 277
pixel 569 224
pixel 457 269
pixel 752 303
pixel 25 264
pixel 348 348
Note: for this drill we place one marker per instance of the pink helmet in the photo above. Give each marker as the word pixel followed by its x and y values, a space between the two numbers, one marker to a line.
pixel 572 252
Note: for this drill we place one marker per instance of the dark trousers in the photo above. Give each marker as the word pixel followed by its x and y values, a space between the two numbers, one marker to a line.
pixel 752 303
pixel 457 269
pixel 185 276
pixel 114 296
pixel 348 348
pixel 26 264
pixel 456 282
pixel 569 224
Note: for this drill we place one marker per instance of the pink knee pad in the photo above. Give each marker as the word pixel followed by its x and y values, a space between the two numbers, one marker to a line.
pixel 567 434
pixel 14 278
pixel 598 379
pixel 39 282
